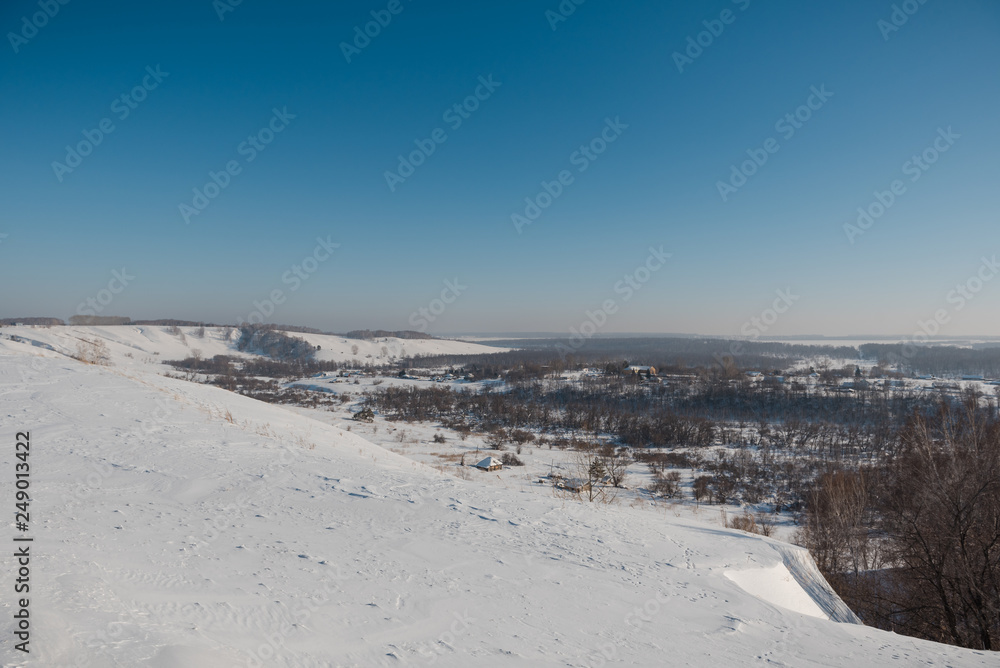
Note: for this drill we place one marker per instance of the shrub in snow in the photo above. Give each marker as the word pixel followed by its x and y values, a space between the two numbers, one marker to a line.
pixel 365 415
pixel 509 459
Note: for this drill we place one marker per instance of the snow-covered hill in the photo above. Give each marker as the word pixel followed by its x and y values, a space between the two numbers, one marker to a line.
pixel 137 345
pixel 177 524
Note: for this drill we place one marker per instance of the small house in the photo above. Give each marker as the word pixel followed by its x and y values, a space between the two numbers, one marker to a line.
pixel 490 464
pixel 641 370
pixel 575 485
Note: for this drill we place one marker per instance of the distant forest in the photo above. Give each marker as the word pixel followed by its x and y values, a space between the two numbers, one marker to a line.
pixel 679 354
pixel 983 359
pixel 368 334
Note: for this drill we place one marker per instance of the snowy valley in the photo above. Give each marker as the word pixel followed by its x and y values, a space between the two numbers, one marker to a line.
pixel 179 524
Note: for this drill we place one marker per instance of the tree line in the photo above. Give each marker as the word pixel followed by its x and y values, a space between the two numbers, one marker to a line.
pixel 911 541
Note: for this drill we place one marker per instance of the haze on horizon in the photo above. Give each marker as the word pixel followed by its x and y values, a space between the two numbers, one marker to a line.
pixel 668 167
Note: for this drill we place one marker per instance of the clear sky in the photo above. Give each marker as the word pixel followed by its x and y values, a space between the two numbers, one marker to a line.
pixel 309 114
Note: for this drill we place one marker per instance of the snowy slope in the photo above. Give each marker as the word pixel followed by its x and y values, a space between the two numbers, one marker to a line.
pixel 177 524
pixel 136 345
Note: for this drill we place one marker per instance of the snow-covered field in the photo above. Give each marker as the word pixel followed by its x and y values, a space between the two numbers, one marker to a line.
pixel 544 464
pixel 178 524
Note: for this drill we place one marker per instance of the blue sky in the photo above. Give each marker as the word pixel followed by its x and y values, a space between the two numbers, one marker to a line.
pixel 656 185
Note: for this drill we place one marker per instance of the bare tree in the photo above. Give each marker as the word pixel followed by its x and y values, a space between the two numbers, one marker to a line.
pixel 702 490
pixel 667 485
pixel 616 464
pixel 592 475
pixel 942 513
pixel 93 351
pixel 176 331
pixel 839 520
pixel 496 439
pixel 933 569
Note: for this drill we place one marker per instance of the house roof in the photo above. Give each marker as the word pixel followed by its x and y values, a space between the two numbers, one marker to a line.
pixel 489 462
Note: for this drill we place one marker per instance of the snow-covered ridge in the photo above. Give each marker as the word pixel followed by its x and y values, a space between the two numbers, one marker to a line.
pixel 130 345
pixel 178 524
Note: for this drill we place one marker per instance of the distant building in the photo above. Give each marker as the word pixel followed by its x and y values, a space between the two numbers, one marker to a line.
pixel 641 370
pixel 973 377
pixel 575 485
pixel 490 464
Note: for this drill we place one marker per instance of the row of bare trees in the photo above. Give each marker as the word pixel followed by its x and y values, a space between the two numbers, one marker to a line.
pixel 912 543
